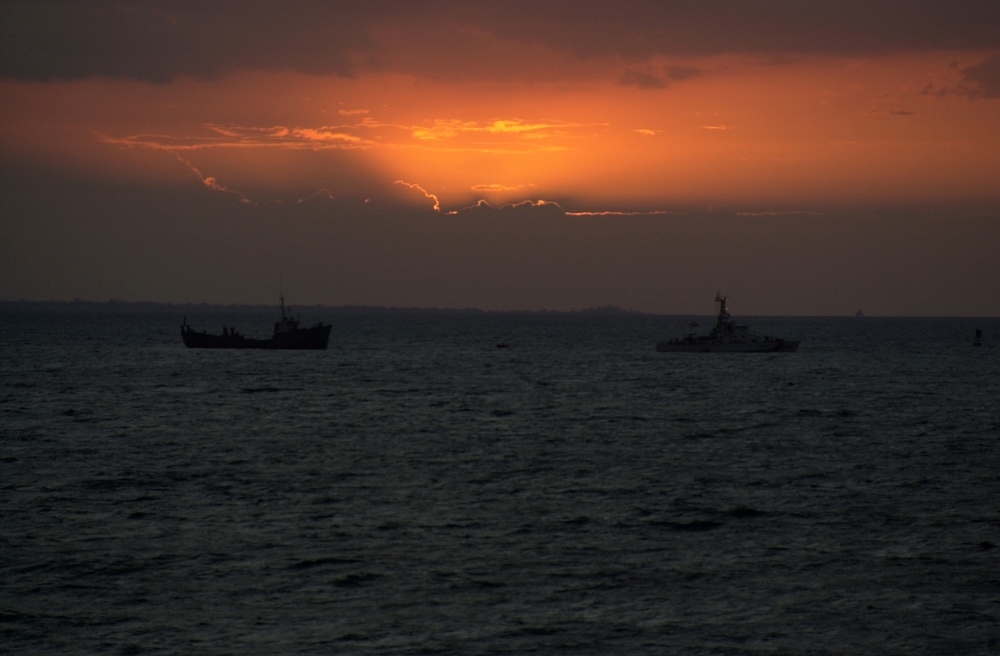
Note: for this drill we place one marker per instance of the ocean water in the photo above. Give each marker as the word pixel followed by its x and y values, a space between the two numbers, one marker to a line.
pixel 416 490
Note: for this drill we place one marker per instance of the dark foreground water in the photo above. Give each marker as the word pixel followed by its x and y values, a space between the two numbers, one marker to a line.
pixel 415 490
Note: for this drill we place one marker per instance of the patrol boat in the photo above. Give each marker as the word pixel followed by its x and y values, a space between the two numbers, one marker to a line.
pixel 727 337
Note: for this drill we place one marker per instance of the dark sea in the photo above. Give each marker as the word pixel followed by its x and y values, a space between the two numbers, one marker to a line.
pixel 417 490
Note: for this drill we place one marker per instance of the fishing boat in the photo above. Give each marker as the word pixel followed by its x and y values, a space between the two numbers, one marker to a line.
pixel 288 334
pixel 727 337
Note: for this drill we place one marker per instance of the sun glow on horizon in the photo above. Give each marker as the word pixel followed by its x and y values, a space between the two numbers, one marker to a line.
pixel 826 129
pixel 482 155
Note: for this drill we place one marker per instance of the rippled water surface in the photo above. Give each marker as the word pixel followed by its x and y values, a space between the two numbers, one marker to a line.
pixel 416 490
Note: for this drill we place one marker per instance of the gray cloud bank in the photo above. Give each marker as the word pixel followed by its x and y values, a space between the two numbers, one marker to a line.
pixel 158 40
pixel 65 237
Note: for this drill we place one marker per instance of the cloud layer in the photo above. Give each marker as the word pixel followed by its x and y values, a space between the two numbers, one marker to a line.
pixel 158 40
pixel 556 154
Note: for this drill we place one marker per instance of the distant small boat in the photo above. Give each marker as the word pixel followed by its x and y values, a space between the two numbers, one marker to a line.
pixel 859 313
pixel 288 334
pixel 979 337
pixel 727 337
pixel 502 344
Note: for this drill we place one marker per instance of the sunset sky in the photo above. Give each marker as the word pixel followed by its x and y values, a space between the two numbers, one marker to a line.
pixel 805 158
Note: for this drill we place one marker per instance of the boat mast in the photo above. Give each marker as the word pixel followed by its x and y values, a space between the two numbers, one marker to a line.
pixel 723 310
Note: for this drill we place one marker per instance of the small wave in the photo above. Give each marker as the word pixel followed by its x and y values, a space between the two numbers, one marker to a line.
pixel 693 526
pixel 12 616
pixel 746 512
pixel 352 637
pixel 355 580
pixel 538 631
pixel 78 415
pixel 822 412
pixel 109 484
pixel 618 418
pixel 320 562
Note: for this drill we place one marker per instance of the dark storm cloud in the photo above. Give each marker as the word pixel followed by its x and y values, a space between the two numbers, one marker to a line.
pixel 761 27
pixel 650 79
pixel 979 81
pixel 983 79
pixel 157 40
pixel 642 79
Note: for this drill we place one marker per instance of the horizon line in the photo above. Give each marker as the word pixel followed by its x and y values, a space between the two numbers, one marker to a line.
pixel 607 310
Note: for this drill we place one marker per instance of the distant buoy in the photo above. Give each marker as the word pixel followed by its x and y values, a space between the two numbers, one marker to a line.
pixel 979 338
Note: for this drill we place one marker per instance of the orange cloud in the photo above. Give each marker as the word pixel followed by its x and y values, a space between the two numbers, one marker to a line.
pixel 427 194
pixel 740 131
pixel 213 184
pixel 500 188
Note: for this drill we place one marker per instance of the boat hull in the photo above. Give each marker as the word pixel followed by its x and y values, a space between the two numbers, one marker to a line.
pixel 709 346
pixel 315 338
